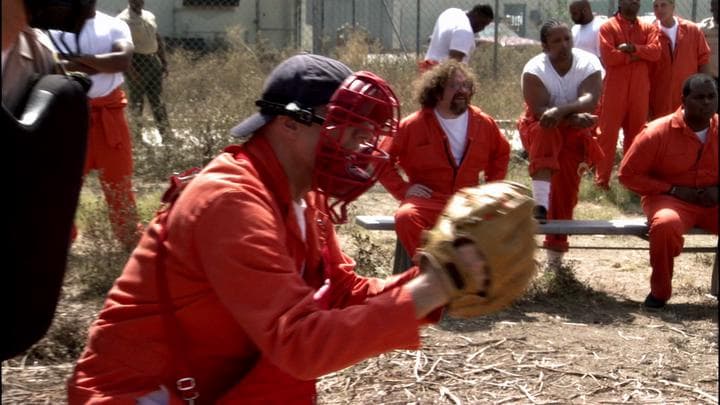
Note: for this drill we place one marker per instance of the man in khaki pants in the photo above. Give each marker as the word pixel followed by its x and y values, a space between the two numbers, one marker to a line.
pixel 148 68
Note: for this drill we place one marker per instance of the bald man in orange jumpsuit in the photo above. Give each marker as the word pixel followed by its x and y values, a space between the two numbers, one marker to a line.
pixel 684 51
pixel 445 146
pixel 673 164
pixel 627 45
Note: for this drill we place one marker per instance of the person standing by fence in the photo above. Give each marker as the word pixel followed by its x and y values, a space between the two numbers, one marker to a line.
pixel 684 52
pixel 148 69
pixel 627 47
pixel 709 27
pixel 586 28
pixel 106 46
pixel 673 165
pixel 453 35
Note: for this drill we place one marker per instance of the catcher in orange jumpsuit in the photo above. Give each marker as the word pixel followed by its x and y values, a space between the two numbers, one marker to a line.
pixel 627 46
pixel 561 87
pixel 105 51
pixel 239 292
pixel 684 52
pixel 445 146
pixel 673 165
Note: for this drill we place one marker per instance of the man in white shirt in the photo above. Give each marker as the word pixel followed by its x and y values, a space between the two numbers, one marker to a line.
pixel 586 28
pixel 453 35
pixel 106 50
pixel 561 87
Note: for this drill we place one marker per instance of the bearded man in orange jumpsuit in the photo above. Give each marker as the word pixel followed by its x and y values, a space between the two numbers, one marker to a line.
pixel 105 51
pixel 627 46
pixel 239 292
pixel 684 52
pixel 561 87
pixel 673 165
pixel 445 146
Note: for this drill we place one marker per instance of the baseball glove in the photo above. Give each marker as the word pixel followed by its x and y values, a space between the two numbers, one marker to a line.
pixel 497 219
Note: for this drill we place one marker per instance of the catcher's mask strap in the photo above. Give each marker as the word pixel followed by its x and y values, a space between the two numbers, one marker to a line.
pixel 305 115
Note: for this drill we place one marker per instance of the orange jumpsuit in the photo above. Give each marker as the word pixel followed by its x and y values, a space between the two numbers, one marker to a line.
pixel 626 87
pixel 421 150
pixel 246 291
pixel 668 153
pixel 110 152
pixel 669 73
pixel 562 150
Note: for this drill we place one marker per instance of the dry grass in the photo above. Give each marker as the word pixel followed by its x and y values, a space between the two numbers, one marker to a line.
pixel 579 336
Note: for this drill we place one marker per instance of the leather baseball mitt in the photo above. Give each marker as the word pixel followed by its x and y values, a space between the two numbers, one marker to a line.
pixel 497 219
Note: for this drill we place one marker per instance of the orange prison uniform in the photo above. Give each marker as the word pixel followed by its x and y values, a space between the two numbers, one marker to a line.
pixel 561 150
pixel 669 73
pixel 426 64
pixel 668 153
pixel 626 87
pixel 243 283
pixel 421 150
pixel 110 152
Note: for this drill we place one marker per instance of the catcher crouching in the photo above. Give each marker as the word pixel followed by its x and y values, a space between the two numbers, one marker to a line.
pixel 238 291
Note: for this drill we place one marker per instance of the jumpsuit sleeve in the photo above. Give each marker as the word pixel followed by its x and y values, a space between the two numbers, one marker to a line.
pixel 638 164
pixel 391 178
pixel 500 156
pixel 608 49
pixel 240 242
pixel 703 49
pixel 650 51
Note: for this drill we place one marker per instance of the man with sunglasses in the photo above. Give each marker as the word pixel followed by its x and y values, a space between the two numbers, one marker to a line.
pixel 239 292
pixel 561 87
pixel 446 145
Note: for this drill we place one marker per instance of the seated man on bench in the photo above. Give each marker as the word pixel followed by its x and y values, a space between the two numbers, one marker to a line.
pixel 561 87
pixel 446 145
pixel 673 164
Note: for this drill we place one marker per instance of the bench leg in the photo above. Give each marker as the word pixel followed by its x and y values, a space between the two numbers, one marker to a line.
pixel 402 260
pixel 714 280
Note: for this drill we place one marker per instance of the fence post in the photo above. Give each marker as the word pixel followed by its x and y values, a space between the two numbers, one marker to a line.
pixel 417 28
pixel 318 16
pixel 495 45
pixel 694 10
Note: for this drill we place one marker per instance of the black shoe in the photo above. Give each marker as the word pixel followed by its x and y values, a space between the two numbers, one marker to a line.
pixel 540 214
pixel 652 302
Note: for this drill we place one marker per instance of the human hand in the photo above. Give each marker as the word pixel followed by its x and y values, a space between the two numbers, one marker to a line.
pixel 626 47
pixel 482 248
pixel 551 118
pixel 582 120
pixel 418 190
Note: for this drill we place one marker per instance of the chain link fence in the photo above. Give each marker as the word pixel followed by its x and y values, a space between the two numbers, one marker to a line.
pixel 219 52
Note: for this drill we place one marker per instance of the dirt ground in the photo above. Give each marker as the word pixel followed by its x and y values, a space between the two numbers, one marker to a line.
pixel 580 335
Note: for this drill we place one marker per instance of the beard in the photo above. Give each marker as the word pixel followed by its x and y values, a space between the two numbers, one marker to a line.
pixel 459 104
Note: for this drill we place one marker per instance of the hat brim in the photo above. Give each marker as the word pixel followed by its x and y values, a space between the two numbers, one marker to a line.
pixel 245 129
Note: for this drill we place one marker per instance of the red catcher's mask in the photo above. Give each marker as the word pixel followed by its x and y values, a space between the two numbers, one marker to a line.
pixel 348 162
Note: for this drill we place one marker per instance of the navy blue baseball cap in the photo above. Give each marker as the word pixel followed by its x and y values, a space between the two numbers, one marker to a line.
pixel 304 80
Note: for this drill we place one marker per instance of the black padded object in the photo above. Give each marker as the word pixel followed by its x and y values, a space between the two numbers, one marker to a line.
pixel 47 153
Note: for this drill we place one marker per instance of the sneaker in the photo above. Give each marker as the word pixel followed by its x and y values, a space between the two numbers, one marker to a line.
pixel 652 302
pixel 540 214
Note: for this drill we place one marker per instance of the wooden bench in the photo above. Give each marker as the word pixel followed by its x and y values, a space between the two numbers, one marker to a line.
pixel 632 227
